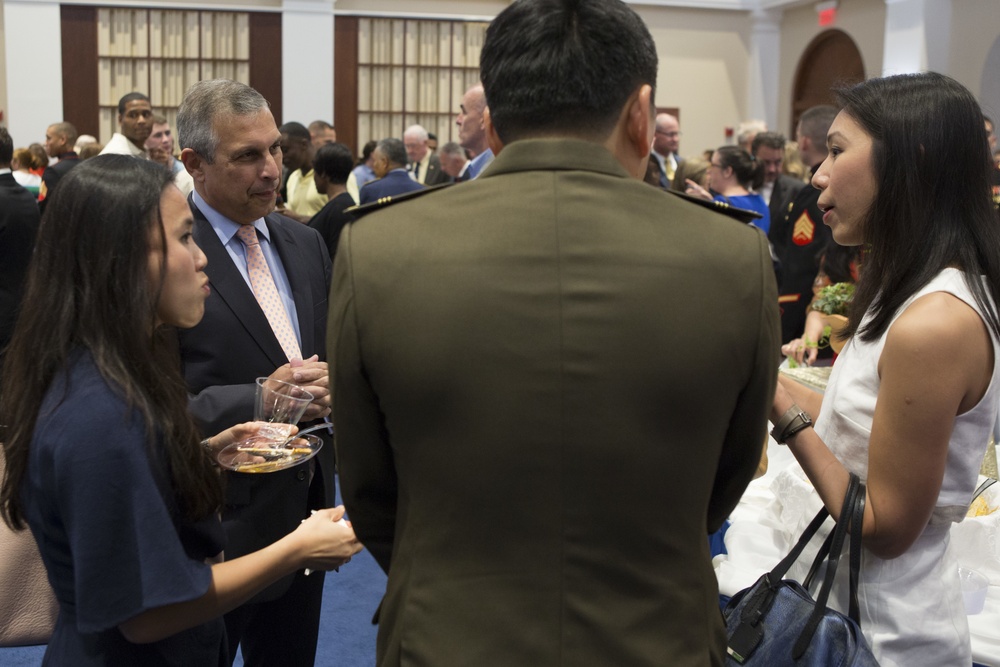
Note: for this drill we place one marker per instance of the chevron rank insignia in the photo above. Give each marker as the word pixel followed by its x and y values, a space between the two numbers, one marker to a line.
pixel 804 230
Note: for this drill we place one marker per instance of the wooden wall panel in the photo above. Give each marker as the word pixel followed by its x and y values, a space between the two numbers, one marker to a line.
pixel 345 81
pixel 265 58
pixel 79 64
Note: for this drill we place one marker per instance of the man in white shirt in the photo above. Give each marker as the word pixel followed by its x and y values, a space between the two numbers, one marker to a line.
pixel 135 124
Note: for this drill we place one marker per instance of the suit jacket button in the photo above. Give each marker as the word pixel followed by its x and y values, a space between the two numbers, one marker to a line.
pixel 301 475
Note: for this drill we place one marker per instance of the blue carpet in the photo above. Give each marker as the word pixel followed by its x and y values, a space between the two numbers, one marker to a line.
pixel 346 634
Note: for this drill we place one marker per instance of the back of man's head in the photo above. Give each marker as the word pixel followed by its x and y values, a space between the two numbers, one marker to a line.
pixel 564 67
pixel 6 148
pixel 814 123
pixel 334 161
pixel 207 100
pixel 394 152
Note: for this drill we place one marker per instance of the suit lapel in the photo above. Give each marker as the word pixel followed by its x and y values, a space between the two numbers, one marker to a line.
pixel 229 286
pixel 294 262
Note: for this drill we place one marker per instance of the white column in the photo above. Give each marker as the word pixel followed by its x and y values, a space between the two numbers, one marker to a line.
pixel 764 66
pixel 917 36
pixel 34 75
pixel 307 60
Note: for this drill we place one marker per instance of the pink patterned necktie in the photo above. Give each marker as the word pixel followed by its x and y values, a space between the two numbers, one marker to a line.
pixel 267 293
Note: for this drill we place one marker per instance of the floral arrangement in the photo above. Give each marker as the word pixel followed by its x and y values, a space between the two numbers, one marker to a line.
pixel 834 299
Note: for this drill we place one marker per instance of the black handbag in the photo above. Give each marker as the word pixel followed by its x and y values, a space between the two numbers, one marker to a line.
pixel 776 622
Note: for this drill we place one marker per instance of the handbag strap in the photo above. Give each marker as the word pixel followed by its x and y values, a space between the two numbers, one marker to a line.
pixel 821 554
pixel 757 607
pixel 833 559
pixel 857 522
pixel 779 571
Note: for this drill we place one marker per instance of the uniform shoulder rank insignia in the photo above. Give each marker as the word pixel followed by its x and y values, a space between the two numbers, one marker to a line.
pixel 803 230
pixel 740 214
pixel 364 209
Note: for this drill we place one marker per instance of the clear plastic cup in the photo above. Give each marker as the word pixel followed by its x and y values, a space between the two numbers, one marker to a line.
pixel 974 588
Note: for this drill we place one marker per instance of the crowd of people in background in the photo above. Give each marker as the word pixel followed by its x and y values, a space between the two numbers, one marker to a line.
pixel 762 172
pixel 443 344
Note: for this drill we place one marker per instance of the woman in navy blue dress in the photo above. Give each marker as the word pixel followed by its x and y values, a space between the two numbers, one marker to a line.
pixel 104 463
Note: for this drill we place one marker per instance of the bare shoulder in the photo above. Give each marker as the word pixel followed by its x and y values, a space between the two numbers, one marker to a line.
pixel 939 319
pixel 941 337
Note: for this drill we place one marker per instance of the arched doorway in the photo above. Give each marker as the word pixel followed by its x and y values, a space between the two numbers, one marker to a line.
pixel 830 60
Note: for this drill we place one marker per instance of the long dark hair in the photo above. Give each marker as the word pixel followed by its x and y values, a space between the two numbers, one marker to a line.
pixel 932 207
pixel 748 171
pixel 88 288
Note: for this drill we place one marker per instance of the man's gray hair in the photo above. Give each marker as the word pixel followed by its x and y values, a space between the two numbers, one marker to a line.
pixel 417 132
pixel 207 100
pixel 394 151
pixel 452 148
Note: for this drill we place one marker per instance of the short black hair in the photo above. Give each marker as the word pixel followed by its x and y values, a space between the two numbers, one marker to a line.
pixel 335 161
pixel 774 140
pixel 564 67
pixel 6 147
pixel 394 151
pixel 131 97
pixel 297 130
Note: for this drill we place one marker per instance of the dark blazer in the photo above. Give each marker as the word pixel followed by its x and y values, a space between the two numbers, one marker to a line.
pixel 785 189
pixel 396 182
pixel 549 385
pixel 332 218
pixel 435 175
pixel 52 174
pixel 19 219
pixel 680 174
pixel 232 346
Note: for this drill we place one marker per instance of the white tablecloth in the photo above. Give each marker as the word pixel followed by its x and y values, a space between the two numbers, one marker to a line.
pixel 763 531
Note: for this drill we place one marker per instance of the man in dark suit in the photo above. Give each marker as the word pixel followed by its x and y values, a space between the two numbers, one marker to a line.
pixel 18 226
pixel 424 165
pixel 550 384
pixel 666 141
pixel 768 148
pixel 389 164
pixel 231 148
pixel 59 140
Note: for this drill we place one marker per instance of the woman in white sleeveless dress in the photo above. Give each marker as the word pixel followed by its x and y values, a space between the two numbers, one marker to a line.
pixel 914 394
